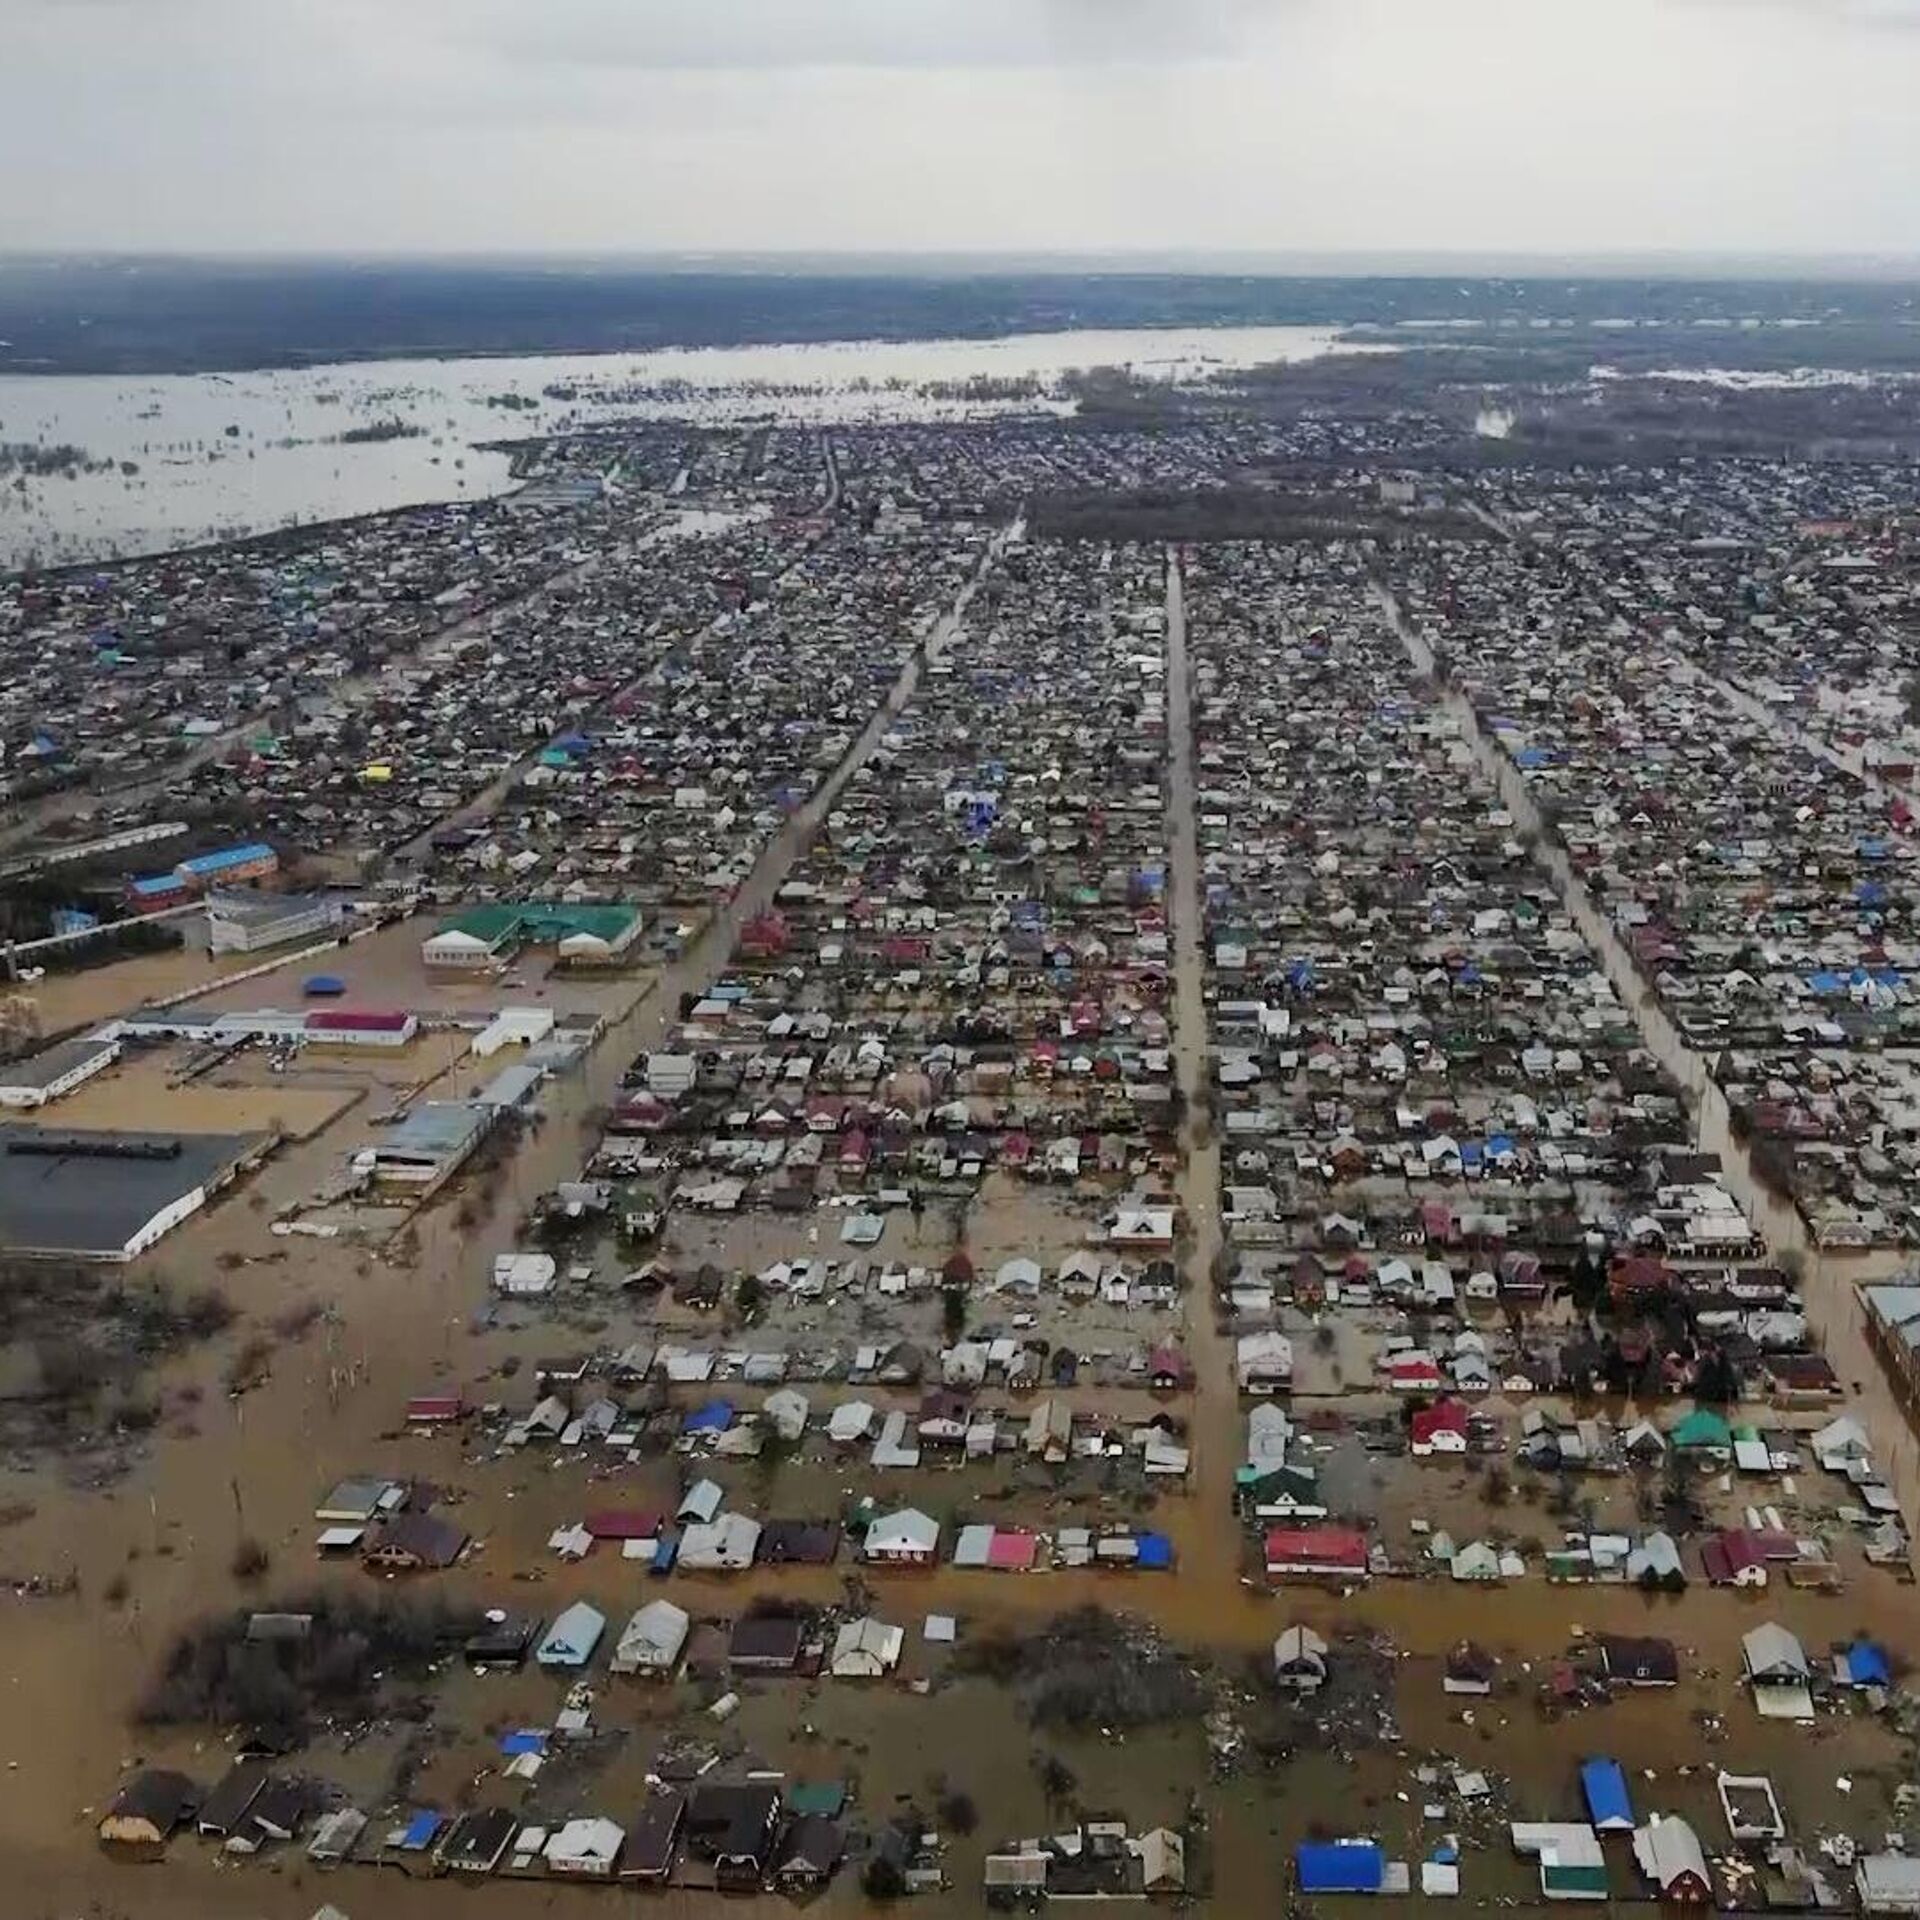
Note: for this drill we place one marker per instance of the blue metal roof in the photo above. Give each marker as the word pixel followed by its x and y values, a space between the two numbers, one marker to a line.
pixel 420 1829
pixel 1605 1786
pixel 226 857
pixel 1339 1866
pixel 1155 1551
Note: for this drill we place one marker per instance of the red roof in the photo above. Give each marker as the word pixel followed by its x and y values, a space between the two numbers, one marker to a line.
pixel 1012 1550
pixel 1317 1547
pixel 357 1020
pixel 622 1523
pixel 1448 1417
pixel 429 1409
pixel 1639 1274
pixel 1168 1359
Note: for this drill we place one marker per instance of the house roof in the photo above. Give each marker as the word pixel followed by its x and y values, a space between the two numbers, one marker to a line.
pixel 1339 1866
pixel 1770 1648
pixel 1667 1848
pixel 1603 1783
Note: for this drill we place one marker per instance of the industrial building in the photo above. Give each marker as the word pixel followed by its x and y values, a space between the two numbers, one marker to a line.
pixel 428 1146
pixel 104 1195
pixel 253 922
pixel 225 867
pixel 55 1071
pixel 486 936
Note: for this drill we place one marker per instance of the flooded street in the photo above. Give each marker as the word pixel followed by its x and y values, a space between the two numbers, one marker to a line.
pixel 227 1467
pixel 222 1469
pixel 1828 1280
pixel 1211 1569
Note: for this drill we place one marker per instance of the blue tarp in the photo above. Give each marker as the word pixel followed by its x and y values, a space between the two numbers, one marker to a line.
pixel 1605 1787
pixel 1499 1145
pixel 715 1417
pixel 1867 1665
pixel 527 1740
pixel 666 1550
pixel 1156 1552
pixel 1339 1866
pixel 421 1828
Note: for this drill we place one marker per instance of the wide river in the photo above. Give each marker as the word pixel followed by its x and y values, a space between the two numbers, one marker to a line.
pixel 179 458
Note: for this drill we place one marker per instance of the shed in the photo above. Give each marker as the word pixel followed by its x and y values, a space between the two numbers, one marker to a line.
pixel 1339 1866
pixel 1603 1784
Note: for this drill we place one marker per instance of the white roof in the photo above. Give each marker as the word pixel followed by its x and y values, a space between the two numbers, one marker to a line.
pixel 850 1421
pixel 1770 1648
pixel 867 1645
pixel 787 1410
pixel 701 1501
pixel 1667 1847
pixel 590 1839
pixel 907 1531
pixel 728 1543
pixel 1299 1643
pixel 653 1637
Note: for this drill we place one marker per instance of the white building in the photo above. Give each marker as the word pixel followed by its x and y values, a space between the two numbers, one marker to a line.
pixel 866 1649
pixel 252 922
pixel 652 1640
pixel 54 1071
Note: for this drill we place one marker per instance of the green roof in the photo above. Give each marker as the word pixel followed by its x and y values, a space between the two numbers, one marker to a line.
pixel 540 921
pixel 1701 1428
pixel 819 1796
pixel 1573 1879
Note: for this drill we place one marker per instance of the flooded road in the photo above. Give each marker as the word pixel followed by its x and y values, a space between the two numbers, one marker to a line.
pixel 1828 1280
pixel 1210 1565
pixel 224 1467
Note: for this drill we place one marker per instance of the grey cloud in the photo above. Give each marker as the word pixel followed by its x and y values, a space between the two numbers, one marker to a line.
pixel 693 35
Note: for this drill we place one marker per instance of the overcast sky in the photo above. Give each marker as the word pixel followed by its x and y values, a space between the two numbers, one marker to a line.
pixel 622 125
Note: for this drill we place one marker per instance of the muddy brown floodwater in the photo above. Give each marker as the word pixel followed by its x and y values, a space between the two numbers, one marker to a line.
pixel 222 1469
pixel 219 1469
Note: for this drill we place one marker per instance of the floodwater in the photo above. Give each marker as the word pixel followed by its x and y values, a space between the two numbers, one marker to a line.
pixel 1829 1279
pixel 220 1469
pixel 231 454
